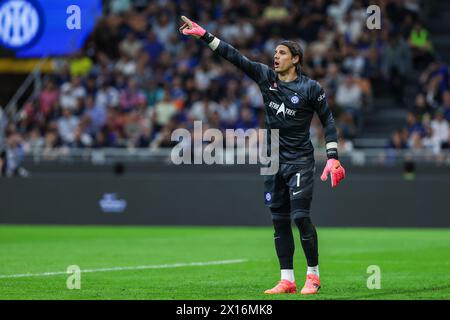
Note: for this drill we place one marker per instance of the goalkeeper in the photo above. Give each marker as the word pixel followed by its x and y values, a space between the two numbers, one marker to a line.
pixel 290 100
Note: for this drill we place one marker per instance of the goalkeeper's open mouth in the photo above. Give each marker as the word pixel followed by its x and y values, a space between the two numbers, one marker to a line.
pixel 276 64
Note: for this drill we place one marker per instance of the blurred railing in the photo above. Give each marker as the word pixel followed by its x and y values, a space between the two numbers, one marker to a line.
pixel 33 78
pixel 357 157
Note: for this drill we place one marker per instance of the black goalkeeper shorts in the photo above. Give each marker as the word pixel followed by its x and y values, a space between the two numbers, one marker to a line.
pixel 289 192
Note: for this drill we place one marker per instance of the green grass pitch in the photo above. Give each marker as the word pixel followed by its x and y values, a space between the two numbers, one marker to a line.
pixel 414 263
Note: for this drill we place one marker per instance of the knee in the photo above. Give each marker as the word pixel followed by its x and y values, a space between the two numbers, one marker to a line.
pixel 304 225
pixel 301 207
pixel 281 215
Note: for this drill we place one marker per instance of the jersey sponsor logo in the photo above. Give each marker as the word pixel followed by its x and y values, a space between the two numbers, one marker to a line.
pixel 321 97
pixel 282 109
pixel 295 99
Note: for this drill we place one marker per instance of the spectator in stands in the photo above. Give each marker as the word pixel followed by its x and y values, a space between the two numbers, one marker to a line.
pixel 67 125
pixel 313 16
pixel 349 94
pixel 215 121
pixel 134 123
pixel 275 12
pixel 415 141
pixel 52 143
pixel 421 107
pixel 420 42
pixel 354 61
pixel 440 127
pixel 247 119
pixel 81 139
pixel 201 110
pixel 13 156
pixel 163 139
pixel 71 92
pixel 396 61
pixel 153 93
pixel 204 73
pixel 80 64
pixel 347 126
pixel 164 110
pixel 446 105
pixel 34 141
pixel 337 9
pixel 163 27
pixel 433 91
pixel 48 97
pixel 228 112
pixel 344 145
pixel 130 46
pixel 396 141
pixel 431 140
pixel 153 47
pixel 102 139
pixel 349 97
pixel 126 65
pixel 95 114
pixel 119 6
pixel 446 144
pixel 173 46
pixel 106 38
pixel 107 96
pixel 350 27
pixel 332 78
pixel 414 125
pixel 131 97
pixel 145 137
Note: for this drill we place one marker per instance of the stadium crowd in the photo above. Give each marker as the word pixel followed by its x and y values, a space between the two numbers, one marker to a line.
pixel 427 122
pixel 137 79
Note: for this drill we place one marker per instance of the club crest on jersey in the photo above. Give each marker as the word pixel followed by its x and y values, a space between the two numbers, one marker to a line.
pixel 282 109
pixel 295 99
pixel 268 197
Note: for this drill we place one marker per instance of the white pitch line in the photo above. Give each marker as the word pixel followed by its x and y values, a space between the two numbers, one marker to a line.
pixel 160 266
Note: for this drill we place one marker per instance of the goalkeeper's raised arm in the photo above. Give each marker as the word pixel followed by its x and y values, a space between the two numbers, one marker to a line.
pixel 255 70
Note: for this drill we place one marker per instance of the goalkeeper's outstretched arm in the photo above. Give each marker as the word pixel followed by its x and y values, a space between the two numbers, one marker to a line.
pixel 254 70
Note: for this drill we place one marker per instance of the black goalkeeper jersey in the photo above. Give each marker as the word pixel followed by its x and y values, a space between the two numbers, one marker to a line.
pixel 289 106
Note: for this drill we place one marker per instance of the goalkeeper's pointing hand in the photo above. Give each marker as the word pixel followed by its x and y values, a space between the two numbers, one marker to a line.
pixel 336 171
pixel 190 28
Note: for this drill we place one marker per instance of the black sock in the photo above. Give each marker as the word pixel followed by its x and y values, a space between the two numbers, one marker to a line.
pixel 308 237
pixel 284 243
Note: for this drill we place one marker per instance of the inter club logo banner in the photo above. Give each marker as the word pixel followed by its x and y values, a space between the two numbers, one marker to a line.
pixel 37 28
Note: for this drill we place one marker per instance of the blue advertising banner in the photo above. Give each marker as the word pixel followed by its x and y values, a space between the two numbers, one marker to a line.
pixel 37 28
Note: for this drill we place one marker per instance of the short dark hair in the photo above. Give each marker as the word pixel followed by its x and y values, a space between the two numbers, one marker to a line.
pixel 296 50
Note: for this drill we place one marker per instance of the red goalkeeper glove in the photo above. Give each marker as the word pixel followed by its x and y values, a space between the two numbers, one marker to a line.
pixel 190 28
pixel 336 171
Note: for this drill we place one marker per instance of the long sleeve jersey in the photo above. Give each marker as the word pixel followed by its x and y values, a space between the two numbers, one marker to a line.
pixel 289 106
